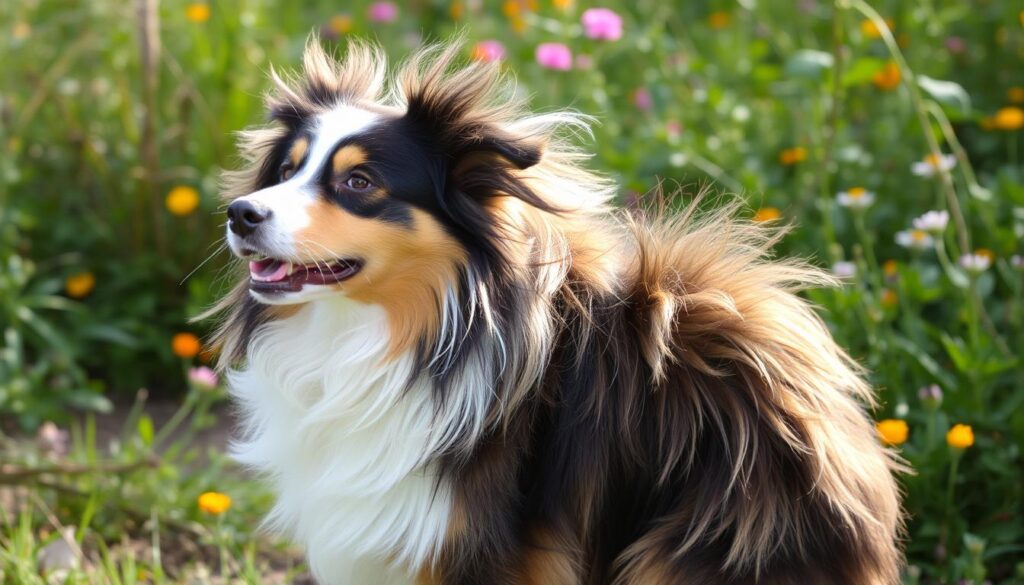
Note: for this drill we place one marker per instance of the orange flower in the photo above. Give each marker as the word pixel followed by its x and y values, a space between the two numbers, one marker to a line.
pixel 792 156
pixel 214 503
pixel 78 286
pixel 960 436
pixel 197 12
pixel 888 78
pixel 185 345
pixel 719 19
pixel 1009 118
pixel 871 31
pixel 893 431
pixel 340 24
pixel 767 214
pixel 562 5
pixel 889 298
pixel 455 10
pixel 890 267
pixel 182 200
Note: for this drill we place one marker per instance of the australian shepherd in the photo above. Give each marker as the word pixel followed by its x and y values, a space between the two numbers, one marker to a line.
pixel 459 363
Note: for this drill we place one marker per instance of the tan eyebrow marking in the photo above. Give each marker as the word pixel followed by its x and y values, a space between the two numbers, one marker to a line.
pixel 298 152
pixel 348 157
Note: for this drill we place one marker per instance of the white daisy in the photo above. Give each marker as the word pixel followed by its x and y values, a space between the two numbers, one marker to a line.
pixel 844 269
pixel 914 239
pixel 855 198
pixel 933 222
pixel 975 263
pixel 932 164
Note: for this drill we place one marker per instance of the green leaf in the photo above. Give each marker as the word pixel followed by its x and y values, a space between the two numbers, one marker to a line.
pixel 808 64
pixel 947 93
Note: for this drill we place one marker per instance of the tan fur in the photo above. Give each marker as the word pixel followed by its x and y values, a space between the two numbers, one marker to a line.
pixel 298 151
pixel 347 157
pixel 549 560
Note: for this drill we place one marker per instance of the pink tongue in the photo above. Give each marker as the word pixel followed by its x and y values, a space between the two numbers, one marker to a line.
pixel 269 271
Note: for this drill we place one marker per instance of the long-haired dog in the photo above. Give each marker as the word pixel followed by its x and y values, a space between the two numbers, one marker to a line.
pixel 458 364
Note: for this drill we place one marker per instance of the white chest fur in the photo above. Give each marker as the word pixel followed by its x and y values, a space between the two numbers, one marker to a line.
pixel 343 437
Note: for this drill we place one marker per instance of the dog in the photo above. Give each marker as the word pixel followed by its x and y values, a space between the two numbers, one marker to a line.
pixel 458 363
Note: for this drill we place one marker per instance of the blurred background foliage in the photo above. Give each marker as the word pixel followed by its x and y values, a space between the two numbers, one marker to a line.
pixel 845 119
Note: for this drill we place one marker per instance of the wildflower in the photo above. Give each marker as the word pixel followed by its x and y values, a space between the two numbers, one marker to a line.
pixel 340 24
pixel 197 12
pixel 674 129
pixel 931 396
pixel 602 24
pixel 383 12
pixel 844 269
pixel 554 56
pixel 185 345
pixel 888 78
pixel 915 239
pixel 21 31
pixel 488 51
pixel 933 222
pixel 870 30
pixel 1017 261
pixel 563 5
pixel 792 156
pixel 933 163
pixel 960 436
pixel 893 431
pixel 767 214
pixel 52 439
pixel 78 286
pixel 584 61
pixel 956 45
pixel 1015 95
pixel 975 263
pixel 889 298
pixel 890 268
pixel 855 198
pixel 455 10
pixel 182 200
pixel 642 99
pixel 719 19
pixel 203 378
pixel 214 503
pixel 1009 118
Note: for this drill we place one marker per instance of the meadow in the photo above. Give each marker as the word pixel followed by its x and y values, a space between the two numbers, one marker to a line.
pixel 888 134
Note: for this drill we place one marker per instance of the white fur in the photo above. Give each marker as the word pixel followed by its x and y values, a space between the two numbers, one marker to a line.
pixel 347 440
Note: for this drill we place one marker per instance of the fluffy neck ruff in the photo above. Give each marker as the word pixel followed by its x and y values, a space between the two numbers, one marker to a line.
pixel 348 439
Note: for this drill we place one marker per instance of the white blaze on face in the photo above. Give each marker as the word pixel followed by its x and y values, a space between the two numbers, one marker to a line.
pixel 289 202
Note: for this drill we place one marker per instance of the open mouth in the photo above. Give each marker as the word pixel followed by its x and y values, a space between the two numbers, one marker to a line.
pixel 273 275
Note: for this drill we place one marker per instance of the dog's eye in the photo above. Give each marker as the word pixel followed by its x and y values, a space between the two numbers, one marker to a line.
pixel 287 171
pixel 358 182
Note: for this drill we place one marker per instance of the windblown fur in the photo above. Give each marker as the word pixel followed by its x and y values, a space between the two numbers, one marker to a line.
pixel 579 395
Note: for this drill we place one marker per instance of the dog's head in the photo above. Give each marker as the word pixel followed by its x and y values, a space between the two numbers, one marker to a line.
pixel 367 196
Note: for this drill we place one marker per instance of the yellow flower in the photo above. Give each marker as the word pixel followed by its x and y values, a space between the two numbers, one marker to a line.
pixel 985 252
pixel 893 431
pixel 562 5
pixel 185 345
pixel 767 214
pixel 1015 94
pixel 1009 118
pixel 888 78
pixel 79 285
pixel 890 267
pixel 340 24
pixel 182 200
pixel 214 503
pixel 792 156
pixel 719 19
pixel 869 30
pixel 21 31
pixel 511 8
pixel 960 436
pixel 197 12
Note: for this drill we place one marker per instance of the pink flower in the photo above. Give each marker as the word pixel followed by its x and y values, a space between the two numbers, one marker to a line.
pixel 674 129
pixel 488 51
pixel 956 45
pixel 383 12
pixel 602 24
pixel 642 99
pixel 203 378
pixel 584 61
pixel 554 56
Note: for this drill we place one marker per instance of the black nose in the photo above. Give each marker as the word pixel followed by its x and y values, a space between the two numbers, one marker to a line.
pixel 244 217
